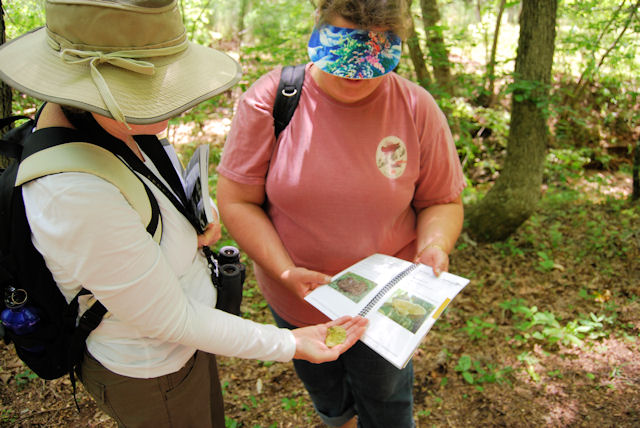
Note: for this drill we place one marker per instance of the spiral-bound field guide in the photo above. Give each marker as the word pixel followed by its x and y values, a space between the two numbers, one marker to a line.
pixel 402 301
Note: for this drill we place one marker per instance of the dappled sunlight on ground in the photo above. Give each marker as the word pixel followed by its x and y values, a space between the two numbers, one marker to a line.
pixel 610 366
pixel 599 185
pixel 212 131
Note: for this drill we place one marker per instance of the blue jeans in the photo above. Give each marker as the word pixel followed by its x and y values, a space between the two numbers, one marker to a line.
pixel 360 383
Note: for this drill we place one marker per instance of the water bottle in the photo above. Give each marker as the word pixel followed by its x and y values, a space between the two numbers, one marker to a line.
pixel 19 317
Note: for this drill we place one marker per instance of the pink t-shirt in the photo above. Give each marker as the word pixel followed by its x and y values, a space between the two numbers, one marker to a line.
pixel 344 180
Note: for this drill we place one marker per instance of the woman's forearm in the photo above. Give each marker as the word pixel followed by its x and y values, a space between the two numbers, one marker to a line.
pixel 439 226
pixel 242 213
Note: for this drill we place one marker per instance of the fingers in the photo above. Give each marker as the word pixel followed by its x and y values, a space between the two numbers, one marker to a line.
pixel 435 257
pixel 349 322
pixel 316 279
pixel 210 236
pixel 310 341
pixel 355 327
pixel 441 266
pixel 303 280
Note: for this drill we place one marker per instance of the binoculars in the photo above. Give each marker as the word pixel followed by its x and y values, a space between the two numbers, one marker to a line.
pixel 230 279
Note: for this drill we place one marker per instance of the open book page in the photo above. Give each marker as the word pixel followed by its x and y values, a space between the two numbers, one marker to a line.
pixel 402 301
pixel 196 177
pixel 350 291
pixel 399 321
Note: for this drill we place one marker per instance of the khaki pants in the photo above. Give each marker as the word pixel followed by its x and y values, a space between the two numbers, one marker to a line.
pixel 190 397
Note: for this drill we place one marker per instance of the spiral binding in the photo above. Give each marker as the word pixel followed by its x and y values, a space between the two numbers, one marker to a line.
pixel 392 282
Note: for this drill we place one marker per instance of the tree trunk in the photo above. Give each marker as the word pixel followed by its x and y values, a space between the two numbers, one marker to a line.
pixel 437 47
pixel 491 66
pixel 516 192
pixel 415 53
pixel 244 7
pixel 5 91
pixel 635 195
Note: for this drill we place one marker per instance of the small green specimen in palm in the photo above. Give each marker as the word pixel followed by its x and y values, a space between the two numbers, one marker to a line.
pixel 335 336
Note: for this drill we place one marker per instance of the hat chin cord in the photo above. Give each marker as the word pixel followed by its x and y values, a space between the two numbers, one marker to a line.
pixel 126 59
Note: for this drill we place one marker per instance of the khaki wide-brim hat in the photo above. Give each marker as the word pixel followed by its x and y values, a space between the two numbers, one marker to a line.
pixel 126 59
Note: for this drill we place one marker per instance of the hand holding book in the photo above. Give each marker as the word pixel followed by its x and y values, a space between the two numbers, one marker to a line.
pixel 435 256
pixel 401 300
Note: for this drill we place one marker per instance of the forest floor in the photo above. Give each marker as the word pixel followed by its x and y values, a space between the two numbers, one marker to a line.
pixel 547 333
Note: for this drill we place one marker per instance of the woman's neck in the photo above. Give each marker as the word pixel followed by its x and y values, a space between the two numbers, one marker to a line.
pixel 53 116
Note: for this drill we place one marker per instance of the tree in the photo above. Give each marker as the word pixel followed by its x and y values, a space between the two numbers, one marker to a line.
pixel 415 53
pixel 435 41
pixel 635 195
pixel 516 192
pixel 491 65
pixel 594 65
pixel 244 7
pixel 5 91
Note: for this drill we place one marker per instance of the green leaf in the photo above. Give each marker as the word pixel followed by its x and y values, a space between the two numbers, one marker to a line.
pixel 464 364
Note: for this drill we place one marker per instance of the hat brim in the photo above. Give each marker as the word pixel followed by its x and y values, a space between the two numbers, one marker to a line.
pixel 178 83
pixel 354 53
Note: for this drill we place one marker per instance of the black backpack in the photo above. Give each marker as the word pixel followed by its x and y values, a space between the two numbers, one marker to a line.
pixel 56 346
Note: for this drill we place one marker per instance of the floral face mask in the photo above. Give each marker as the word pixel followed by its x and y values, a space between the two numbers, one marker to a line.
pixel 353 53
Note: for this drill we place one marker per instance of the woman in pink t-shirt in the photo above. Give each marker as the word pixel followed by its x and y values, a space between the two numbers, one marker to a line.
pixel 367 165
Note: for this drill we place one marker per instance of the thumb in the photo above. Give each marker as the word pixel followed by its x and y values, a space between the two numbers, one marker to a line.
pixel 318 277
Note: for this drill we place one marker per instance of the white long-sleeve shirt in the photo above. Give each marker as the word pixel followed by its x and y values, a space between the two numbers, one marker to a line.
pixel 160 297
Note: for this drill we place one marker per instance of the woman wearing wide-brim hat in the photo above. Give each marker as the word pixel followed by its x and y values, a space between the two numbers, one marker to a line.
pixel 126 67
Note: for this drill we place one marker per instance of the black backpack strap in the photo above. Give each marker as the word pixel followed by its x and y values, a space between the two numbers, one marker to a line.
pixel 88 322
pixel 152 147
pixel 11 146
pixel 156 152
pixel 287 96
pixel 6 121
pixel 49 138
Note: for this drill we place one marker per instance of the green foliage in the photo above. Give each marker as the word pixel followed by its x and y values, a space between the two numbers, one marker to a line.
pixel 563 164
pixel 480 157
pixel 292 404
pixel 24 377
pixel 476 328
pixel 209 21
pixel 8 416
pixel 508 247
pixel 530 91
pixel 587 29
pixel 546 263
pixel 22 16
pixel 476 373
pixel 530 362
pixel 279 33
pixel 253 403
pixel 231 423
pixel 545 328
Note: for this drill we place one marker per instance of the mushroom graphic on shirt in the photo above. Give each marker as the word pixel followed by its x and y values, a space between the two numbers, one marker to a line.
pixel 391 157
